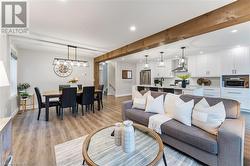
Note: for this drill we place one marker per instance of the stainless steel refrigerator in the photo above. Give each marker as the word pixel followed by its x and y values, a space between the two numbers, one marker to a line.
pixel 145 77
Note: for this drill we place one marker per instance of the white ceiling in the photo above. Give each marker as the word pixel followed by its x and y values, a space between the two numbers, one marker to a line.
pixel 206 43
pixel 104 24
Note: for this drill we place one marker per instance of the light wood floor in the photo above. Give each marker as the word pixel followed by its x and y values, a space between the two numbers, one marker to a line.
pixel 34 141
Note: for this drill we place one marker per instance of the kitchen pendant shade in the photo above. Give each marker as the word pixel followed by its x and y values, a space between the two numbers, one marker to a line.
pixel 161 63
pixel 3 76
pixel 146 66
pixel 182 63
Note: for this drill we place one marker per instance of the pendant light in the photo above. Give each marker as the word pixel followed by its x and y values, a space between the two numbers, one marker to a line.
pixel 182 63
pixel 72 62
pixel 146 62
pixel 161 64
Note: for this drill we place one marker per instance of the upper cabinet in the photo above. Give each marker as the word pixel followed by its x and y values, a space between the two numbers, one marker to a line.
pixel 205 65
pixel 192 66
pixel 236 61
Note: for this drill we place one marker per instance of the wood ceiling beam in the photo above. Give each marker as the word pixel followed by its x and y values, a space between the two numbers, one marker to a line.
pixel 231 14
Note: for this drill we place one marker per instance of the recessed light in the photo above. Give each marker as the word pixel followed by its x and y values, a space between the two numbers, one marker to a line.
pixel 234 31
pixel 132 28
pixel 201 52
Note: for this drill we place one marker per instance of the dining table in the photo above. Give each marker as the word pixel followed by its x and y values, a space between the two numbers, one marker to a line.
pixel 57 94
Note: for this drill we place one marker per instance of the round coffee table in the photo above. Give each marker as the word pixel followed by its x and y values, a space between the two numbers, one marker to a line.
pixel 99 148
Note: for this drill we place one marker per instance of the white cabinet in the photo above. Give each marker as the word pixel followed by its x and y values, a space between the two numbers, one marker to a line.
pixel 240 94
pixel 201 65
pixel 192 66
pixel 236 61
pixel 206 65
pixel 196 92
pixel 211 92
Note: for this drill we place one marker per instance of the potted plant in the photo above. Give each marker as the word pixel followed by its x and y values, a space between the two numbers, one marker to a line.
pixel 24 95
pixel 73 82
pixel 184 77
pixel 22 90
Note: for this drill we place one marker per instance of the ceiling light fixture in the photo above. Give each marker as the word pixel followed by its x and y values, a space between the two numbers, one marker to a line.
pixel 161 64
pixel 146 62
pixel 58 61
pixel 201 52
pixel 182 63
pixel 234 31
pixel 132 28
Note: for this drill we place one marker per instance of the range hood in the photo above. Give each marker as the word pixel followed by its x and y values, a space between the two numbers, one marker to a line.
pixel 182 62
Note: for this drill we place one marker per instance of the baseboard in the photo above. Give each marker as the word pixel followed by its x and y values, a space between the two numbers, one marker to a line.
pixel 14 113
pixel 123 95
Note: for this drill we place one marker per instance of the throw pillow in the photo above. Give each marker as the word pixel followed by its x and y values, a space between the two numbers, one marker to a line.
pixel 183 112
pixel 169 103
pixel 139 100
pixel 208 118
pixel 155 105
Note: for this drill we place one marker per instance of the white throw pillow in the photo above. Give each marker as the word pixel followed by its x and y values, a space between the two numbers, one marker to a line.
pixel 169 103
pixel 139 100
pixel 208 118
pixel 183 112
pixel 155 105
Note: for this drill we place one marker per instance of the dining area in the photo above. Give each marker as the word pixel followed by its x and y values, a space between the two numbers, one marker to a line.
pixel 76 99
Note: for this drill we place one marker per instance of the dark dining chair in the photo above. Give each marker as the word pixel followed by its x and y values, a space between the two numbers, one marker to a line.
pixel 86 98
pixel 79 86
pixel 41 104
pixel 63 86
pixel 99 96
pixel 68 100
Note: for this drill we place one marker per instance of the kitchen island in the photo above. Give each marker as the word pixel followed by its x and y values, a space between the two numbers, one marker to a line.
pixel 192 90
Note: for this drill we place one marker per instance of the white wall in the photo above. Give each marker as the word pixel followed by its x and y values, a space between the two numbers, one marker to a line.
pixel 8 103
pixel 111 78
pixel 124 86
pixel 35 68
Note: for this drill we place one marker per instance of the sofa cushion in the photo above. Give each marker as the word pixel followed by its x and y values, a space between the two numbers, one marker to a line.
pixel 138 116
pixel 232 107
pixel 191 135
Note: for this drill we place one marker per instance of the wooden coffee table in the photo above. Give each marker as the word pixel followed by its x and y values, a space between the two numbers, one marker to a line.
pixel 99 148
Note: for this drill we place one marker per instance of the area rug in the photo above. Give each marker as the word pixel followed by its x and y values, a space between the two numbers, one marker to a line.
pixel 70 154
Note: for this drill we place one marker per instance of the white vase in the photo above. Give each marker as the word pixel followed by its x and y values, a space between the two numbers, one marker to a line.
pixel 118 134
pixel 128 137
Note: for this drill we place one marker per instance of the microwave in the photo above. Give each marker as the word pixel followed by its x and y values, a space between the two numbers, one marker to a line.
pixel 235 81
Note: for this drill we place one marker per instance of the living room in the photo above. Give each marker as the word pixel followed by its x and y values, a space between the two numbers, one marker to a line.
pixel 125 83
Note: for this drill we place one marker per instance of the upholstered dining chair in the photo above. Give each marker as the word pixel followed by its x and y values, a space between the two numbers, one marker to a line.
pixel 68 100
pixel 86 98
pixel 41 104
pixel 63 86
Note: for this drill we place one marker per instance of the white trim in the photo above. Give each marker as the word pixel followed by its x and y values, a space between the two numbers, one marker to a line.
pixel 13 114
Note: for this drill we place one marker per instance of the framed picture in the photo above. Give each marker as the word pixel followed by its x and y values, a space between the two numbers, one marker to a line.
pixel 126 74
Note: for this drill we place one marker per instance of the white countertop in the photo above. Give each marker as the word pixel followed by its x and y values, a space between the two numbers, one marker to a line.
pixel 189 87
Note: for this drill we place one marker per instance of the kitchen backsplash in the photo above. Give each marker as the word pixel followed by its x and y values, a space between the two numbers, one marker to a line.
pixel 193 81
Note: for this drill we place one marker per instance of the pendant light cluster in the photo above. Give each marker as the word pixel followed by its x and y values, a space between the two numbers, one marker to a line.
pixel 161 63
pixel 68 61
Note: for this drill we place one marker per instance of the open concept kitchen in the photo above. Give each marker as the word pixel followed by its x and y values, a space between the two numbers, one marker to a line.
pixel 213 65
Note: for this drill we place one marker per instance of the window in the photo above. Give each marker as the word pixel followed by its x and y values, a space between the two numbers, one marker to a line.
pixel 13 74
